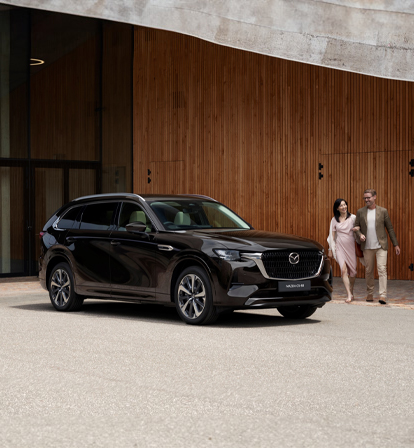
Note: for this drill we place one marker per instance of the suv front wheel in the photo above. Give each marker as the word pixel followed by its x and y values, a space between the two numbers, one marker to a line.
pixel 61 289
pixel 193 297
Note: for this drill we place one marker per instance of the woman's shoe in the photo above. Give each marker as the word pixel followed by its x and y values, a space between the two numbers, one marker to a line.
pixel 349 299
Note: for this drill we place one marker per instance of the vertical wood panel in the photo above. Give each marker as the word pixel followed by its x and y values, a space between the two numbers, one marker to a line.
pixel 250 131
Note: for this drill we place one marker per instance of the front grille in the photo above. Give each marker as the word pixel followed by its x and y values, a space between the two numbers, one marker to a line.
pixel 277 265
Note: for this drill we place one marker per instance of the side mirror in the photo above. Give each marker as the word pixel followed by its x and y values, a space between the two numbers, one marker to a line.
pixel 136 227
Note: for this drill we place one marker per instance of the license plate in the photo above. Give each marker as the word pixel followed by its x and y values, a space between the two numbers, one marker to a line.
pixel 303 285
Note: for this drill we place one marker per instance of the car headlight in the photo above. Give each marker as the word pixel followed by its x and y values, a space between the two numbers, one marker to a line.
pixel 228 255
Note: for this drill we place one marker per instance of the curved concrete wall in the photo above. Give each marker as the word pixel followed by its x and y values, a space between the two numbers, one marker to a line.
pixel 369 37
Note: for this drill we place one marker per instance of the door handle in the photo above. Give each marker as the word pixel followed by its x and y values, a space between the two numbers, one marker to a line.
pixel 115 243
pixel 70 239
pixel 165 247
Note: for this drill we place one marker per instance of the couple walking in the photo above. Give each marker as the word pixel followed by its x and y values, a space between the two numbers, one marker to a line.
pixel 368 227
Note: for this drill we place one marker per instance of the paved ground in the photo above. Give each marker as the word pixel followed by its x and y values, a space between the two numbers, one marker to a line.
pixel 119 374
pixel 401 293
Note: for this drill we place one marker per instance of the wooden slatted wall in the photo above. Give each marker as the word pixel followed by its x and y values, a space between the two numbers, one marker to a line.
pixel 251 131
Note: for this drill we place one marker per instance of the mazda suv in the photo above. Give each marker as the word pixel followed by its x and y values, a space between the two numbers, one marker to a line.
pixel 187 251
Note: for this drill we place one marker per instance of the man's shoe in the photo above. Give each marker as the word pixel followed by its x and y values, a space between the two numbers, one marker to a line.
pixel 382 301
pixel 370 298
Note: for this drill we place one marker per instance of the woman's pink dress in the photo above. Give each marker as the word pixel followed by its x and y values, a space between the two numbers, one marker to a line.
pixel 345 245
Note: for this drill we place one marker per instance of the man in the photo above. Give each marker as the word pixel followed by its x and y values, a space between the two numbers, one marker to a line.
pixel 372 221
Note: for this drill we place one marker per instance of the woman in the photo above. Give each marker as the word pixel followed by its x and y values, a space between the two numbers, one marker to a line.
pixel 342 245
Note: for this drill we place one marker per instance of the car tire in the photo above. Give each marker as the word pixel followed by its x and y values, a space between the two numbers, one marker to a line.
pixel 61 289
pixel 297 311
pixel 193 297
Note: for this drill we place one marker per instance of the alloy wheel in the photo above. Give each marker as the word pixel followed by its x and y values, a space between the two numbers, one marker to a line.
pixel 60 287
pixel 191 296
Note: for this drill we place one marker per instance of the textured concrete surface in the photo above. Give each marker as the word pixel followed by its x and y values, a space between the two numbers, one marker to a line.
pixel 373 38
pixel 400 292
pixel 120 374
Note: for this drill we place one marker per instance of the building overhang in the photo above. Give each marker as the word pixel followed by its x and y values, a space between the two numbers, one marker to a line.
pixel 367 37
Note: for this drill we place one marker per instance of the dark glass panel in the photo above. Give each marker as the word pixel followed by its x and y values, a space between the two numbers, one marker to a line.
pixel 48 196
pixel 14 74
pixel 13 225
pixel 64 90
pixel 117 108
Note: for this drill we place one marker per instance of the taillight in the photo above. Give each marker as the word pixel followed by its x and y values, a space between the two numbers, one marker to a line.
pixel 41 234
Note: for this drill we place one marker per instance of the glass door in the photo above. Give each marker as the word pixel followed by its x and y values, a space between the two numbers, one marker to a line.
pixel 48 197
pixel 13 221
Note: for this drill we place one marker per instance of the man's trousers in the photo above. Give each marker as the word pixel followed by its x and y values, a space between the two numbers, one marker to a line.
pixel 369 256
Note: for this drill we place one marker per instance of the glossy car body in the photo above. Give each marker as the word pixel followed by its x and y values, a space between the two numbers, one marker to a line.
pixel 136 248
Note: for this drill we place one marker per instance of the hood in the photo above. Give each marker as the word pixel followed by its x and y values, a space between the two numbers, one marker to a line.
pixel 258 240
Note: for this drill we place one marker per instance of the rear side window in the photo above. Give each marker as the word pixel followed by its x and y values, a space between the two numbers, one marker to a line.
pixel 69 218
pixel 98 216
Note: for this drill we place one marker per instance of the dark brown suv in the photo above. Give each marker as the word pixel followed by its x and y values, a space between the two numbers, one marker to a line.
pixel 187 251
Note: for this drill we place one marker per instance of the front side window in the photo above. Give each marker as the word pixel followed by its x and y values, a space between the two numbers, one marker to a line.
pixel 133 213
pixel 98 216
pixel 196 214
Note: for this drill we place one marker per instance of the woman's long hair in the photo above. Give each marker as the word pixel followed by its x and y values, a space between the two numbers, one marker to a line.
pixel 337 203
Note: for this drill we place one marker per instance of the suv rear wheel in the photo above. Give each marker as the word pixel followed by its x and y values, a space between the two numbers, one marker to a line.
pixel 61 289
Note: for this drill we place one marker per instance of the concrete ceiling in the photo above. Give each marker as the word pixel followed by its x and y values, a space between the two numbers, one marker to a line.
pixel 372 37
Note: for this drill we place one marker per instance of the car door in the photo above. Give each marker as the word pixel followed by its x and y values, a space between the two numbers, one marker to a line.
pixel 90 246
pixel 133 256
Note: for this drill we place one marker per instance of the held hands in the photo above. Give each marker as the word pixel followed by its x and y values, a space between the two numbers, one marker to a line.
pixel 397 248
pixel 363 238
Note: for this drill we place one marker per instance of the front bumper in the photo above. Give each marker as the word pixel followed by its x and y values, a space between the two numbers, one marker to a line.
pixel 246 287
pixel 316 296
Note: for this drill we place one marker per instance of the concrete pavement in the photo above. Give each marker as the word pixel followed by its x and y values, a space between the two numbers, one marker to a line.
pixel 120 374
pixel 400 292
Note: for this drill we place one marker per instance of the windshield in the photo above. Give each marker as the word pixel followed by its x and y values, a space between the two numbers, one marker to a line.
pixel 182 214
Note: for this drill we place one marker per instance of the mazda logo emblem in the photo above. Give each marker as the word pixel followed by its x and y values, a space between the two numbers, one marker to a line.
pixel 293 258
